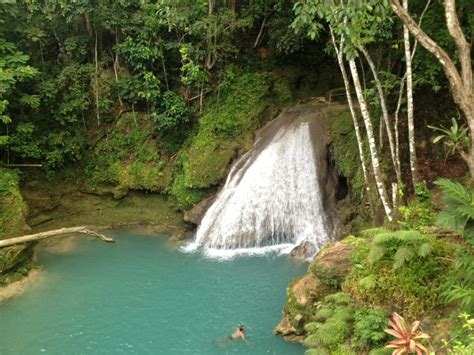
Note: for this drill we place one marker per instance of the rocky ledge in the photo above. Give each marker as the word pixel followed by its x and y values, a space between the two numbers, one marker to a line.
pixel 325 274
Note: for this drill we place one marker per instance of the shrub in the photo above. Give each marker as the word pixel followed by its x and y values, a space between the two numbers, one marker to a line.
pixel 459 214
pixel 327 276
pixel 459 285
pixel 459 210
pixel 463 343
pixel 369 325
pixel 335 314
pixel 413 287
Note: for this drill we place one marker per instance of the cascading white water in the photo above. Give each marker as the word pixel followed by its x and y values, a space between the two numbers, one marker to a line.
pixel 272 195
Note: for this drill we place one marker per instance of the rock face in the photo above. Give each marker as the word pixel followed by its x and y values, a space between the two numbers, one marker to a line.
pixel 324 276
pixel 196 214
pixel 304 250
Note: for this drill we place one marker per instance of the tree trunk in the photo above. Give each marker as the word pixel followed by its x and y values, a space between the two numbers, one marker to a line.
pixel 402 88
pixel 461 87
pixel 117 66
pixel 383 105
pixel 372 145
pixel 96 58
pixel 340 61
pixel 43 235
pixel 411 120
pixel 209 62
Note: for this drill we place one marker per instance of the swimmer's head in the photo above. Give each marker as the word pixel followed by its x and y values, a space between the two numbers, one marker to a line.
pixel 241 327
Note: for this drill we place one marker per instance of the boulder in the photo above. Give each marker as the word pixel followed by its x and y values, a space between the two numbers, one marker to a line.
pixel 304 251
pixel 196 214
pixel 332 262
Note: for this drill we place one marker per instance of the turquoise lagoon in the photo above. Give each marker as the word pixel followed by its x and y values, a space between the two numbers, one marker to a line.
pixel 143 295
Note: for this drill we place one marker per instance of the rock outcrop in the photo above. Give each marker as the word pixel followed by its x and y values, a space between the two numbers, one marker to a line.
pixel 324 276
pixel 196 214
pixel 304 250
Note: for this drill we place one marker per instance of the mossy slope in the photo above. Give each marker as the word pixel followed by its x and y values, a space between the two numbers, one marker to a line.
pixel 235 111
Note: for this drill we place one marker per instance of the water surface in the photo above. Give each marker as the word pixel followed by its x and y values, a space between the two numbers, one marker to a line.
pixel 142 295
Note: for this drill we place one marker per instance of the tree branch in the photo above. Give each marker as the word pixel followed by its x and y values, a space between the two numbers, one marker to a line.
pixel 43 235
pixel 463 46
pixel 430 45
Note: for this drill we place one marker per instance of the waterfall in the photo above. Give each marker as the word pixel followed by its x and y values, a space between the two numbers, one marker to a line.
pixel 275 194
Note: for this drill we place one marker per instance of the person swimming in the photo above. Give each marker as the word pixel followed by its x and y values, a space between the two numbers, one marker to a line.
pixel 239 333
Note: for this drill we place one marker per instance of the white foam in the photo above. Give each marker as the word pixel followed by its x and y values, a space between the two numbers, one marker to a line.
pixel 227 254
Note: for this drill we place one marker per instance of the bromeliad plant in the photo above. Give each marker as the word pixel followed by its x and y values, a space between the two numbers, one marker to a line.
pixel 408 338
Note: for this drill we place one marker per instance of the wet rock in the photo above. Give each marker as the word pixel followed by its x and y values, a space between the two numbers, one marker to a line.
pixel 178 235
pixel 196 214
pixel 304 251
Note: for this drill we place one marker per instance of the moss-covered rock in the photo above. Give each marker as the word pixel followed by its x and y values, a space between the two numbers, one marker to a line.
pixel 128 158
pixel 13 209
pixel 15 256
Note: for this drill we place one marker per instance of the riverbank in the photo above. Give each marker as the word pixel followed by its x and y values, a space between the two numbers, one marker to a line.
pixel 16 288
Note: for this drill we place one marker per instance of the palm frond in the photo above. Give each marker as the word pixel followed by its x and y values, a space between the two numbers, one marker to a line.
pixel 453 192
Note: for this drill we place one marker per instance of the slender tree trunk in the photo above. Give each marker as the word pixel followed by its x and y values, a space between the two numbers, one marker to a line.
pixel 97 95
pixel 260 33
pixel 360 145
pixel 402 88
pixel 117 66
pixel 386 120
pixel 411 120
pixel 165 72
pixel 209 57
pixel 461 84
pixel 372 145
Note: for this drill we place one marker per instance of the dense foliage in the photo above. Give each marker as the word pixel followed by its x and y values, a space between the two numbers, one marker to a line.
pixel 161 96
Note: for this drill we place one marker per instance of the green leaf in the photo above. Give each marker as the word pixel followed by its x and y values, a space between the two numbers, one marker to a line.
pixel 404 254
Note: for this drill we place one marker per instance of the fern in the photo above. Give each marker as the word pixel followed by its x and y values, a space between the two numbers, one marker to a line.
pixel 312 327
pixel 339 298
pixel 425 249
pixel 377 252
pixel 459 205
pixel 403 255
pixel 372 232
pixel 384 238
pixel 368 282
pixel 402 245
pixel 323 314
pixel 311 341
pixel 459 287
pixel 453 192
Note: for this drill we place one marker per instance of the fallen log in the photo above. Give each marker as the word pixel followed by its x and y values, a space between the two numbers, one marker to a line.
pixel 43 235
